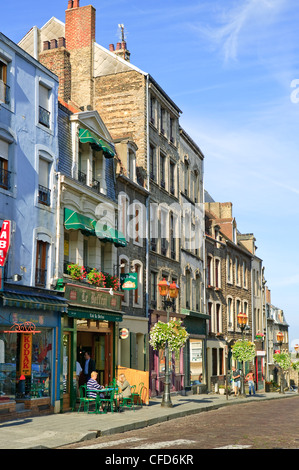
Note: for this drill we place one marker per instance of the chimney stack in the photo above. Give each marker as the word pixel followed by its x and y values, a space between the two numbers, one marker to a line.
pixel 80 24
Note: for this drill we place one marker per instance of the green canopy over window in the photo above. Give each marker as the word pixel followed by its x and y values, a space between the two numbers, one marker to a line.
pixel 109 234
pixel 85 136
pixel 74 220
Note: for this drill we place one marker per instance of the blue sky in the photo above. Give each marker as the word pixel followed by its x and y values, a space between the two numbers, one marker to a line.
pixel 231 67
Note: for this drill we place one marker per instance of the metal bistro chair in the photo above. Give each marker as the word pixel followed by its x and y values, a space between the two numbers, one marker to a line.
pixel 107 402
pixel 138 393
pixel 127 401
pixel 84 398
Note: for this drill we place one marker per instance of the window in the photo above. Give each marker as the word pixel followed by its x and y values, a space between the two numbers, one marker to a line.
pixel 164 231
pixel 153 289
pixel 41 264
pixel 210 311
pixel 4 88
pixel 209 271
pixel 44 193
pixel 172 238
pixel 188 289
pixel 171 178
pixel 217 273
pixel 244 274
pixel 4 173
pixel 218 319
pixel 124 268
pixel 229 268
pixel 198 292
pixel 154 226
pixel 44 105
pixel 162 169
pixel 186 177
pixel 138 300
pixel 237 267
pixel 152 162
pixel 152 110
pixel 162 120
pixel 123 203
pixel 230 313
pixel 132 166
pixel 171 130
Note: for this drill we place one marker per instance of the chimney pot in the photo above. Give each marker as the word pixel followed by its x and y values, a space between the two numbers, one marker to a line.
pixel 118 46
pixel 76 4
pixel 70 5
pixel 111 47
pixel 124 45
pixel 61 42
pixel 46 46
pixel 53 43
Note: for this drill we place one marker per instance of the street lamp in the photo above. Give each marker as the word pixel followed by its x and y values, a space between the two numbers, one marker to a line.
pixel 242 321
pixel 279 337
pixel 169 292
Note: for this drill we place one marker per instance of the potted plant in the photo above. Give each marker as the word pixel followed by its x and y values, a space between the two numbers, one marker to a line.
pixel 112 282
pixel 96 278
pixel 221 389
pixel 76 272
pixel 173 332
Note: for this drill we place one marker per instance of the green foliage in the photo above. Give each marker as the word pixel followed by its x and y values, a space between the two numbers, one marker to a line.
pixel 283 360
pixel 295 366
pixel 243 350
pixel 173 332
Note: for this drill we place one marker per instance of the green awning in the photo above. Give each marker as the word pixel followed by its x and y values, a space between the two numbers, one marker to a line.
pixel 85 136
pixel 108 234
pixel 74 220
pixel 34 302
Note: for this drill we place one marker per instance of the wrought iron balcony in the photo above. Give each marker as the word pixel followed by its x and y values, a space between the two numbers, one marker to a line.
pixel 82 177
pixel 5 179
pixel 44 117
pixel 96 185
pixel 44 195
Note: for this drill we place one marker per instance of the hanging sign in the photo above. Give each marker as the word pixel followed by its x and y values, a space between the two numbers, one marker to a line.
pixel 26 354
pixel 129 281
pixel 123 333
pixel 4 241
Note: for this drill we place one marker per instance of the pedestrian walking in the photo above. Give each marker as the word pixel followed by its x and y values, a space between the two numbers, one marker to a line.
pixel 236 376
pixel 250 379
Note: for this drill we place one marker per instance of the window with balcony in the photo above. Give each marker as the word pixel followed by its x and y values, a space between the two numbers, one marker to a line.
pixel 44 193
pixel 5 182
pixel 44 106
pixel 41 264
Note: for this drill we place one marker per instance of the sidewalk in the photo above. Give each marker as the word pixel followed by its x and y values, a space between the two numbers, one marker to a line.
pixel 49 432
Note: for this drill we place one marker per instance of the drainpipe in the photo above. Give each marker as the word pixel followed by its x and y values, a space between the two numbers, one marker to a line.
pixel 147 214
pixel 35 42
pixel 58 225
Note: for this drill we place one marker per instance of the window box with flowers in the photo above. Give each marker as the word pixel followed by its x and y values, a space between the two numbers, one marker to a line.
pixel 259 336
pixel 76 272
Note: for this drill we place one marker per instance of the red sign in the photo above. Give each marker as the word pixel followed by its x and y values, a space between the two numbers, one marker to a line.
pixel 25 354
pixel 4 241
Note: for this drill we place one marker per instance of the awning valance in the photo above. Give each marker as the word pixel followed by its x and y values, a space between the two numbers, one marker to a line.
pixel 74 220
pixel 86 136
pixel 98 315
pixel 108 234
pixel 22 300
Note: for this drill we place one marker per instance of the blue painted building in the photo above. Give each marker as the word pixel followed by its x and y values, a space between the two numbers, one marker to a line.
pixel 30 312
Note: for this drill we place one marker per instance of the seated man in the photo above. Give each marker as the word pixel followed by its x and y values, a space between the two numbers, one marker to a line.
pixel 92 384
pixel 125 388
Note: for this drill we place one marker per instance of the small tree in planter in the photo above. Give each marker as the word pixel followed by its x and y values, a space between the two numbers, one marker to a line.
pixel 76 272
pixel 284 361
pixel 243 351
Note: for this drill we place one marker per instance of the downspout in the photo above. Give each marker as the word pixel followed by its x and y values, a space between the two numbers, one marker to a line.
pixel 58 225
pixel 147 218
pixel 204 279
pixel 35 42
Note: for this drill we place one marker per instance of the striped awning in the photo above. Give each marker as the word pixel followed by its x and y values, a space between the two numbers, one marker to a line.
pixel 86 136
pixel 22 300
pixel 76 221
pixel 108 234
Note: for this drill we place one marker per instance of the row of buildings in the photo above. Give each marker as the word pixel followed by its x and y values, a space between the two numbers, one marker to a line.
pixel 96 171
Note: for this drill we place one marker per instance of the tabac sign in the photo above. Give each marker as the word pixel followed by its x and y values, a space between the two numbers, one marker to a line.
pixel 4 241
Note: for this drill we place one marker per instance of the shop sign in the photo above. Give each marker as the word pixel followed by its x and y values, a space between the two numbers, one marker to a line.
pixel 129 281
pixel 4 241
pixel 26 354
pixel 88 297
pixel 25 327
pixel 123 333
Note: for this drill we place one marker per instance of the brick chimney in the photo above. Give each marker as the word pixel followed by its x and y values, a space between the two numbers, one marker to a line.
pixel 79 25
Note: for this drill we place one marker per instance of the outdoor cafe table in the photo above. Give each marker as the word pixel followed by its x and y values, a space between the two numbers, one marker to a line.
pixel 107 391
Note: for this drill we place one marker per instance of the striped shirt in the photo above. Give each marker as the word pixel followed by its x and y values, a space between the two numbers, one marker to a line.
pixel 93 385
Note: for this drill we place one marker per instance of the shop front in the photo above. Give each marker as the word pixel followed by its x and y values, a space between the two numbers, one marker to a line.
pixel 30 333
pixel 90 326
pixel 195 352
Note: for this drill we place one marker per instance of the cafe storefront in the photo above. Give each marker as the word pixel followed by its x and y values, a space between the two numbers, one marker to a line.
pixel 30 330
pixel 90 325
